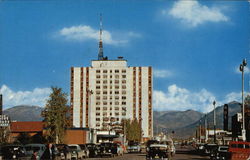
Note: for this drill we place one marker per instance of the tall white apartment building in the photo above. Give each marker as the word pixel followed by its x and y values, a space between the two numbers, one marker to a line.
pixel 110 90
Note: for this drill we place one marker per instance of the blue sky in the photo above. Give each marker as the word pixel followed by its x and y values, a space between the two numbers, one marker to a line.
pixel 194 47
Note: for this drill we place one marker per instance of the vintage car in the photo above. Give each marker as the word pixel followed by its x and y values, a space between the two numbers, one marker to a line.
pixel 134 147
pixel 106 149
pixel 13 151
pixel 93 149
pixel 30 148
pixel 85 149
pixel 64 151
pixel 77 152
pixel 158 151
pixel 222 153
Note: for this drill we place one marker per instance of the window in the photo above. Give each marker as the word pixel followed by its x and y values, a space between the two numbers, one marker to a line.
pixel 123 76
pixel 105 71
pixel 98 98
pixel 104 92
pixel 97 71
pixel 116 97
pixel 97 113
pixel 123 92
pixel 98 92
pixel 105 76
pixel 110 103
pixel 105 108
pixel 110 76
pixel 104 114
pixel 123 87
pixel 105 103
pixel 124 113
pixel 97 119
pixel 105 82
pixel 116 71
pixel 123 103
pixel 98 82
pixel 110 82
pixel 116 81
pixel 98 87
pixel 116 113
pixel 116 108
pixel 123 71
pixel 123 81
pixel 110 71
pixel 110 87
pixel 105 97
pixel 98 108
pixel 123 97
pixel 105 87
pixel 116 87
pixel 98 76
pixel 116 92
pixel 116 103
pixel 116 76
pixel 98 103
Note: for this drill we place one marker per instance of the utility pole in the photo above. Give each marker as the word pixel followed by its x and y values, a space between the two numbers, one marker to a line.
pixel 244 63
pixel 214 103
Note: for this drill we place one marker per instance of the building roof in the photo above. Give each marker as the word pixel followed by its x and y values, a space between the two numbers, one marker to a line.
pixel 34 126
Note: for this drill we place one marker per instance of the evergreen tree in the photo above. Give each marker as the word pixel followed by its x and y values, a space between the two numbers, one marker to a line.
pixel 55 116
pixel 132 130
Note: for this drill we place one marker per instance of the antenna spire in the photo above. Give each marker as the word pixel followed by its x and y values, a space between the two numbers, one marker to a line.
pixel 100 54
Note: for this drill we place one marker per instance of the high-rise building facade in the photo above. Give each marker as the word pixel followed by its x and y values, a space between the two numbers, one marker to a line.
pixel 109 91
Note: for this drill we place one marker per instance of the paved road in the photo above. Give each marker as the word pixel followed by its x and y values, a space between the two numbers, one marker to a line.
pixel 185 153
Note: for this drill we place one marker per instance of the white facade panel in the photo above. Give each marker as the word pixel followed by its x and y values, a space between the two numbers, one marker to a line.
pixel 76 99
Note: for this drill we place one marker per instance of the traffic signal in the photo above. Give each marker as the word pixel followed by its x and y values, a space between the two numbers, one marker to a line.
pixel 225 117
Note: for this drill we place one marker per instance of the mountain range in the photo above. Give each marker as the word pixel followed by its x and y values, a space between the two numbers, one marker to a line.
pixel 183 123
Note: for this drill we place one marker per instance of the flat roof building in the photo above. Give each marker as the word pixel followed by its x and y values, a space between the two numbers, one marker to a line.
pixel 109 91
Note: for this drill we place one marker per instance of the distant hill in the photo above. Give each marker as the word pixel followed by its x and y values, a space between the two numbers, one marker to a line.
pixel 24 113
pixel 189 130
pixel 184 123
pixel 173 120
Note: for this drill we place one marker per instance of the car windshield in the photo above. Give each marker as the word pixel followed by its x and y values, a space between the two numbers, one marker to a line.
pixel 73 147
pixel 32 148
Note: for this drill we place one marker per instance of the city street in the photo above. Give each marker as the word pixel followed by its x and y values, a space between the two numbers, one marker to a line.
pixel 186 153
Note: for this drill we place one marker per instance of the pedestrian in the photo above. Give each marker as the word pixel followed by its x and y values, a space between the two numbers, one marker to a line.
pixel 35 154
pixel 48 153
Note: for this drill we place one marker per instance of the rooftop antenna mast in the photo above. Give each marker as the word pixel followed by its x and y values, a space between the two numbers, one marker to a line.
pixel 100 54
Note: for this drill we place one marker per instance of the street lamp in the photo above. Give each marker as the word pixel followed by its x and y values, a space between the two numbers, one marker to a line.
pixel 244 63
pixel 214 123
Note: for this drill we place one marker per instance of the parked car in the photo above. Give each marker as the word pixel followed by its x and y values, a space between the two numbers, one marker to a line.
pixel 30 148
pixel 171 146
pixel 85 149
pixel 77 153
pixel 117 149
pixel 222 153
pixel 13 151
pixel 93 149
pixel 149 142
pixel 134 147
pixel 210 148
pixel 158 151
pixel 106 149
pixel 64 151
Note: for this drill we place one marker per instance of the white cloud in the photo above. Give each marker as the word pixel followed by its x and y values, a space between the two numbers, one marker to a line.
pixel 176 98
pixel 233 96
pixel 193 13
pixel 162 73
pixel 36 97
pixel 85 32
